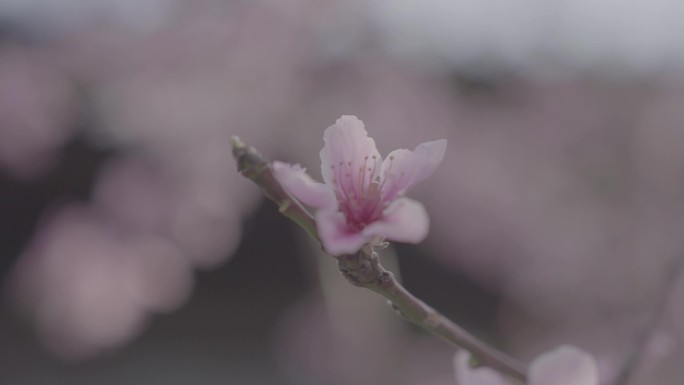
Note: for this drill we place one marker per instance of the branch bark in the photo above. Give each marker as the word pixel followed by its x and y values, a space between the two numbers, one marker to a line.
pixel 253 166
pixel 364 270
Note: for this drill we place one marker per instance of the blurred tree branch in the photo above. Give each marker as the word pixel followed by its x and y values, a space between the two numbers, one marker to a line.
pixel 672 273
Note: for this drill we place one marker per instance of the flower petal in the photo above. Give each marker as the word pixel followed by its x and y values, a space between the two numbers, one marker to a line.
pixel 404 220
pixel 566 365
pixel 349 158
pixel 466 375
pixel 403 168
pixel 335 235
pixel 299 184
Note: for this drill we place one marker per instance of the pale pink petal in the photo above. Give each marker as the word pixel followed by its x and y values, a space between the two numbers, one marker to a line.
pixel 349 158
pixel 404 220
pixel 403 168
pixel 335 236
pixel 566 365
pixel 466 375
pixel 299 184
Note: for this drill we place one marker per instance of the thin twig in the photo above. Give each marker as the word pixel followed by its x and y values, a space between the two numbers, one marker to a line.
pixel 364 270
pixel 631 364
pixel 252 165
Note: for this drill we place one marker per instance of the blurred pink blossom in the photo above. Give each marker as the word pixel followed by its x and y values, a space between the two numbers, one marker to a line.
pixel 168 200
pixel 91 287
pixel 37 110
pixel 565 365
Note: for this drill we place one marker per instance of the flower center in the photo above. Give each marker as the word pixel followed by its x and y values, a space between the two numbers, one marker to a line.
pixel 357 187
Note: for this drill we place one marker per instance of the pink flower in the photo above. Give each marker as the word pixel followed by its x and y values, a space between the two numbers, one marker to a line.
pixel 362 200
pixel 565 365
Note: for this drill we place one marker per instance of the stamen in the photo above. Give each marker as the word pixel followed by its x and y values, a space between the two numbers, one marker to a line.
pixel 388 173
pixel 361 179
pixel 340 183
pixel 371 172
pixel 362 175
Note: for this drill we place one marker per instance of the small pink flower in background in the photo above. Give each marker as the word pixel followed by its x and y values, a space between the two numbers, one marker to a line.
pixel 566 365
pixel 362 200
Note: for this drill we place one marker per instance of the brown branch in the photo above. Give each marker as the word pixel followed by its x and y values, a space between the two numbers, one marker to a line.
pixel 364 270
pixel 252 165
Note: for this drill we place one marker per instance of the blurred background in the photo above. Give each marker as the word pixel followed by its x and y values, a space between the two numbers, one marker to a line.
pixel 131 252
